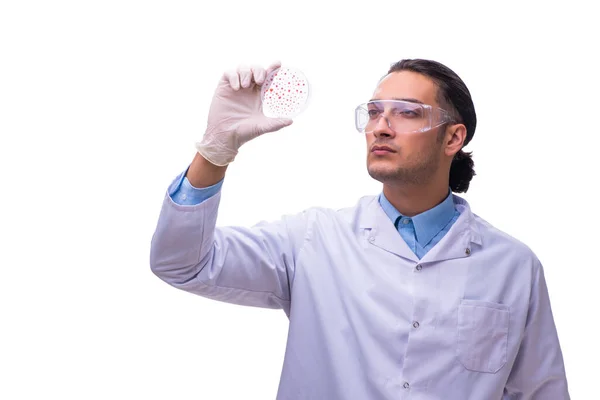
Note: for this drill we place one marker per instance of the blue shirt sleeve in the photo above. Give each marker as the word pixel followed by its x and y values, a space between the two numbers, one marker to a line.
pixel 183 193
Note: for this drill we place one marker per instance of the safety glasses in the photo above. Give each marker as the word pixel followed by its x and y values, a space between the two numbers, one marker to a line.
pixel 400 116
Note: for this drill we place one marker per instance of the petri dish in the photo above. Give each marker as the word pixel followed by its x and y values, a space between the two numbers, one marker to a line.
pixel 285 93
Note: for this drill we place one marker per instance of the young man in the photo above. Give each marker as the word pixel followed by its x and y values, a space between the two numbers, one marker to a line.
pixel 407 295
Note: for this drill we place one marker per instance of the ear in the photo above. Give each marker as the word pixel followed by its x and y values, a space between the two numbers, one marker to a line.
pixel 454 139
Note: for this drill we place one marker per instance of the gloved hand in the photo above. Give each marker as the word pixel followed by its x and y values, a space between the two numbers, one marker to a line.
pixel 235 115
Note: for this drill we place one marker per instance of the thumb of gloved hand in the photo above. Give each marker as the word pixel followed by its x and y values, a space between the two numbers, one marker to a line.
pixel 259 125
pixel 236 116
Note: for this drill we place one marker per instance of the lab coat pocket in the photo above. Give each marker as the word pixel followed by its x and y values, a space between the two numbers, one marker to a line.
pixel 482 335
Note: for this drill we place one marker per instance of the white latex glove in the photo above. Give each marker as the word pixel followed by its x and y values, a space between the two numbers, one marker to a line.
pixel 235 115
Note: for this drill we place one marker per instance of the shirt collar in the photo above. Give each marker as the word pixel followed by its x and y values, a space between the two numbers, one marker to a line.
pixel 427 224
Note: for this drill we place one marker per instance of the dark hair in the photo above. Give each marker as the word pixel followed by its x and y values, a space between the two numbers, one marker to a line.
pixel 454 97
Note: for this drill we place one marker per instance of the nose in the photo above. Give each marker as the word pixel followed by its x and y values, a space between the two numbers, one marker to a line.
pixel 383 127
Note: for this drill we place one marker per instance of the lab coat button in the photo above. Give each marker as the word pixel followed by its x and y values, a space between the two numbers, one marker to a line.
pixel 406 385
pixel 415 324
pixel 419 267
pixel 468 251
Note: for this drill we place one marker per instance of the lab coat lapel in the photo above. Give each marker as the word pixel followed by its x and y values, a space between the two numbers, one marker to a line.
pixel 461 240
pixel 381 232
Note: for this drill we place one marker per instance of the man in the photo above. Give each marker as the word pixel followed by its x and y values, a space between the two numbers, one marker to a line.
pixel 407 295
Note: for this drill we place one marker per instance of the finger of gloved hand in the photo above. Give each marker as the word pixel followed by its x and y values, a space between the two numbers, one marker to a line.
pixel 275 65
pixel 245 74
pixel 259 74
pixel 233 78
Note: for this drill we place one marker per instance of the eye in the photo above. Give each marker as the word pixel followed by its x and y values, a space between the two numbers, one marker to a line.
pixel 406 112
pixel 373 113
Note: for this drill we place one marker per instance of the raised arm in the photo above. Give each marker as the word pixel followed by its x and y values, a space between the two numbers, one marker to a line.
pixel 249 266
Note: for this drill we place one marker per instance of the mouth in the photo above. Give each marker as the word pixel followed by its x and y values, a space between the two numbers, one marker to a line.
pixel 382 150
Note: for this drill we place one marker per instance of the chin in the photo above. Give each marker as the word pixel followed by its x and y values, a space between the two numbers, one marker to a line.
pixel 381 172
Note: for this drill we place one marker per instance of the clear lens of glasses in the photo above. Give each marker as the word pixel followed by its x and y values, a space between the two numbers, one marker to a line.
pixel 401 116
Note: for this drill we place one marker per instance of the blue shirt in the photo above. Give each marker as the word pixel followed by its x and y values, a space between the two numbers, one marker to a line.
pixel 421 232
pixel 425 230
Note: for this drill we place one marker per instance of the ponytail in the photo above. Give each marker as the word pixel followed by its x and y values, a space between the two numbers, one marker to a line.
pixel 461 171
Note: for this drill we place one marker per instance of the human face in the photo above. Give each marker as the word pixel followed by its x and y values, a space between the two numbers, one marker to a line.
pixel 412 158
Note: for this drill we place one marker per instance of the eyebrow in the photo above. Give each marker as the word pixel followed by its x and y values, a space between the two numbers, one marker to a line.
pixel 410 100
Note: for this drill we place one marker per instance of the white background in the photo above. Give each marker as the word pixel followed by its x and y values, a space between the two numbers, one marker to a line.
pixel 102 101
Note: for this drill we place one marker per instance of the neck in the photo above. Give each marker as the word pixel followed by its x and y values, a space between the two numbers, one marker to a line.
pixel 413 199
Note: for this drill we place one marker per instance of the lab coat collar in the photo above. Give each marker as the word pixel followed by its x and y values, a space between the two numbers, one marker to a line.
pixel 457 243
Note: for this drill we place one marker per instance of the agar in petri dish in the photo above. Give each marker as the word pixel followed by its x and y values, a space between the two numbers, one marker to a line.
pixel 284 93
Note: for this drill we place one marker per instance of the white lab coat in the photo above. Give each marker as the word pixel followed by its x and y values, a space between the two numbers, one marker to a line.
pixel 368 319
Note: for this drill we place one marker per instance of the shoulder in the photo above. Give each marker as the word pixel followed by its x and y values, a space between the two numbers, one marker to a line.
pixel 347 216
pixel 492 238
pixel 496 237
pixel 351 215
pixel 499 244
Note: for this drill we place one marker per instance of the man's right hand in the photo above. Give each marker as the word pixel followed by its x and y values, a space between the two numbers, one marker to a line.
pixel 235 115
